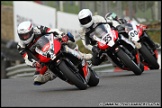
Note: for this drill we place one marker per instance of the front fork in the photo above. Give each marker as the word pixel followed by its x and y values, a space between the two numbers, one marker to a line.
pixel 86 71
pixel 84 64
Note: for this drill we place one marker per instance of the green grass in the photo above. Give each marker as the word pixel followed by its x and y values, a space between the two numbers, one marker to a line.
pixel 81 47
pixel 155 36
pixel 7 3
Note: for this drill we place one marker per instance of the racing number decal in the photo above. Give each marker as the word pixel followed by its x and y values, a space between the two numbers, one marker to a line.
pixel 133 33
pixel 107 38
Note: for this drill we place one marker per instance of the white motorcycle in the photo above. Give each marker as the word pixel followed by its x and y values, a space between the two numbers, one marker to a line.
pixel 118 49
pixel 147 48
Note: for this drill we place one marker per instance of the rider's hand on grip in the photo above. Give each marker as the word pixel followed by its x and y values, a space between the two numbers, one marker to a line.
pixel 37 64
pixel 65 38
pixel 71 37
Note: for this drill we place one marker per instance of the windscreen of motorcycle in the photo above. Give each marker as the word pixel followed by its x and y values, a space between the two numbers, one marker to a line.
pixel 128 27
pixel 43 43
pixel 104 32
pixel 132 31
pixel 101 30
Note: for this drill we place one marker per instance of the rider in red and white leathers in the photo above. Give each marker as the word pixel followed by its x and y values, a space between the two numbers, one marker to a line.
pixel 29 35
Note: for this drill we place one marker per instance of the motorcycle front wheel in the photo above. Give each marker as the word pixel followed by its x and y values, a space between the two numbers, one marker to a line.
pixel 94 78
pixel 129 62
pixel 148 57
pixel 75 79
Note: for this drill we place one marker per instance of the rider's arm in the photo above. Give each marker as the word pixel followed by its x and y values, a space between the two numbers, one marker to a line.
pixel 89 47
pixel 45 30
pixel 115 23
pixel 98 19
pixel 41 30
pixel 28 60
pixel 82 33
pixel 60 34
pixel 122 21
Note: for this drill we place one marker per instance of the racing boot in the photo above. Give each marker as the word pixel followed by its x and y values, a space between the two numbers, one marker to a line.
pixel 85 56
pixel 137 44
pixel 40 79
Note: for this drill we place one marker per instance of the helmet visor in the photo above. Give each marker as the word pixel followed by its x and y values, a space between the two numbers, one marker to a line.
pixel 85 20
pixel 26 36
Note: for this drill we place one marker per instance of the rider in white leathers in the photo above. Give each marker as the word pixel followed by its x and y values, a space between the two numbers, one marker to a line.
pixel 87 23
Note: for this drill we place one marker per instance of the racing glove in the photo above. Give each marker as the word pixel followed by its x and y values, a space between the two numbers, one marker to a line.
pixel 65 38
pixel 71 37
pixel 36 64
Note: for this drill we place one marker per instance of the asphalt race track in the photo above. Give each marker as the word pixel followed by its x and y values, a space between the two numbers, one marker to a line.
pixel 115 88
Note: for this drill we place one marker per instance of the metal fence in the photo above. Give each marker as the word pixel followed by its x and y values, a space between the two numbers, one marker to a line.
pixel 148 10
pixel 22 70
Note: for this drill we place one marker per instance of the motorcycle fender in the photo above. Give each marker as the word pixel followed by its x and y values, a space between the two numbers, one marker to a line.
pixel 43 59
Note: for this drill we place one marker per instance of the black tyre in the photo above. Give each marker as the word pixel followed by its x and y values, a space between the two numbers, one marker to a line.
pixel 76 79
pixel 129 62
pixel 149 58
pixel 94 78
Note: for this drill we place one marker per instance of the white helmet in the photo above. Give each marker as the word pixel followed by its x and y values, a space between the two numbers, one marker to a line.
pixel 25 32
pixel 85 18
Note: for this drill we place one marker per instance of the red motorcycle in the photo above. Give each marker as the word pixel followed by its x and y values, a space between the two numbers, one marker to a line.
pixel 67 67
pixel 119 50
pixel 147 48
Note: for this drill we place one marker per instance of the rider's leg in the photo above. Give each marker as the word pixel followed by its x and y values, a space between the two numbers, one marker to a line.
pixel 43 75
pixel 74 46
